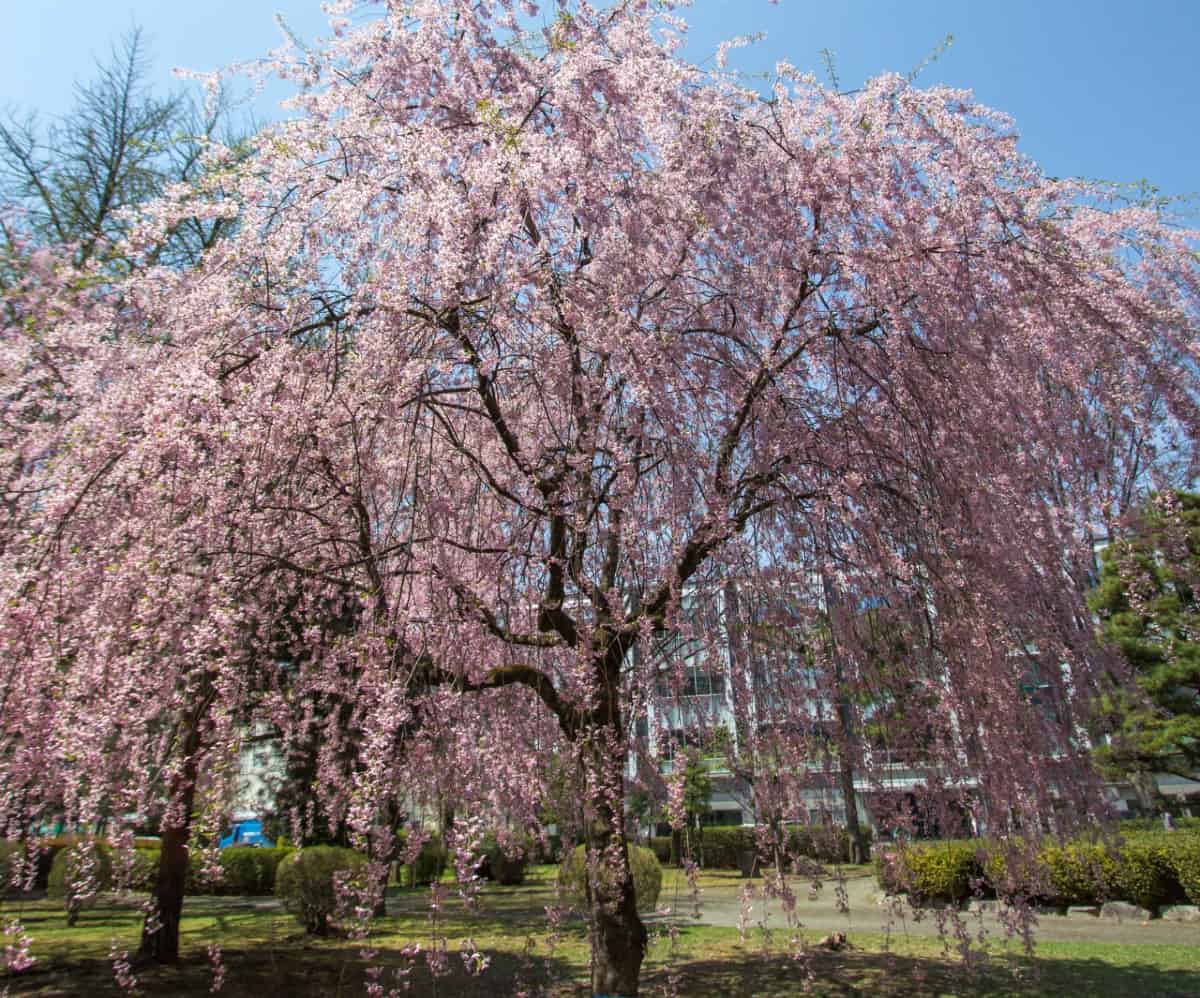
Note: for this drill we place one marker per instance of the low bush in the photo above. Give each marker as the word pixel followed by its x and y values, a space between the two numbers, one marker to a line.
pixel 944 871
pixel 1182 855
pixel 78 873
pixel 824 843
pixel 306 883
pixel 718 848
pixel 249 870
pixel 647 876
pixel 505 865
pixel 1143 872
pixel 1148 869
pixel 429 865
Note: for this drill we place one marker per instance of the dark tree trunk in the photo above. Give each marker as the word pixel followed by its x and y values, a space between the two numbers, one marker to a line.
pixel 859 849
pixel 618 935
pixel 160 931
pixel 1150 798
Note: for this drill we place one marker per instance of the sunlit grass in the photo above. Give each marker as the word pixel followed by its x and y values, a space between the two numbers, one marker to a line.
pixel 267 953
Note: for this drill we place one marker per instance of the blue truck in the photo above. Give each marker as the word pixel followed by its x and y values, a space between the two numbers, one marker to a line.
pixel 246 833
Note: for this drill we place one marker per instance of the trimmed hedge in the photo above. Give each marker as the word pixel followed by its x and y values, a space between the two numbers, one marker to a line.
pixel 502 867
pixel 660 845
pixel 305 884
pixel 719 847
pixel 428 867
pixel 245 870
pixel 647 877
pixel 1182 854
pixel 1148 869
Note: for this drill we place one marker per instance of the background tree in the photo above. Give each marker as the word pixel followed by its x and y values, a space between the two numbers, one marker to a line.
pixel 79 179
pixel 1146 599
pixel 521 340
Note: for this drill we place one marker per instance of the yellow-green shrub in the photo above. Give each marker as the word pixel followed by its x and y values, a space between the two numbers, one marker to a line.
pixel 941 871
pixel 305 883
pixel 647 876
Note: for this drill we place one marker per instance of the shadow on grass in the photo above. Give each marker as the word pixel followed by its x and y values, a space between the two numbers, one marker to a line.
pixel 865 973
pixel 304 971
pixel 308 970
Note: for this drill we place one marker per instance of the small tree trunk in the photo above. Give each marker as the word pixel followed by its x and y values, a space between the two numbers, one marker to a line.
pixel 160 931
pixel 859 850
pixel 1150 798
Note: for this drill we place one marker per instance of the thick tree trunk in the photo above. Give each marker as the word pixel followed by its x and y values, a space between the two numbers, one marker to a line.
pixel 618 935
pixel 160 931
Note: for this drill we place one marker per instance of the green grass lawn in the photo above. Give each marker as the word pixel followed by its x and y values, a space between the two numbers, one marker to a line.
pixel 267 954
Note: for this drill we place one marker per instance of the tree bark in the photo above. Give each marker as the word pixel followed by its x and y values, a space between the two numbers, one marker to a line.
pixel 160 931
pixel 859 850
pixel 1150 798
pixel 618 936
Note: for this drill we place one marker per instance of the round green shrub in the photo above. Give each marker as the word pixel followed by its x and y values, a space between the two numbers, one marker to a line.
pixel 936 871
pixel 429 865
pixel 647 876
pixel 304 882
pixel 67 868
pixel 143 876
pixel 503 867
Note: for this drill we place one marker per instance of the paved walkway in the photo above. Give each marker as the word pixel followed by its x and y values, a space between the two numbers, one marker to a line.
pixel 819 914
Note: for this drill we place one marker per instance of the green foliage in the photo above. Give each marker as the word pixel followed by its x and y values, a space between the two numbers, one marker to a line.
pixel 429 865
pixel 505 867
pixel 245 870
pixel 660 845
pixel 1077 872
pixel 947 871
pixel 67 872
pixel 1150 869
pixel 8 849
pixel 305 883
pixel 647 876
pixel 723 845
pixel 1143 872
pixel 697 787
pixel 1182 854
pixel 824 843
pixel 1148 609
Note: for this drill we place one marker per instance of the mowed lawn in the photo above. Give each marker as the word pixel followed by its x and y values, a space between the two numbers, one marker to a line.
pixel 265 953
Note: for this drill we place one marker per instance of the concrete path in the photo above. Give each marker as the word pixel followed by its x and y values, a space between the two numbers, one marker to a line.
pixel 818 913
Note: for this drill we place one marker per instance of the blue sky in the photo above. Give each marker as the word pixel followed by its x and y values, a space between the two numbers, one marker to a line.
pixel 1098 88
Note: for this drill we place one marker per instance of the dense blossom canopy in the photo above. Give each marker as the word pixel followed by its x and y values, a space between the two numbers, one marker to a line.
pixel 526 342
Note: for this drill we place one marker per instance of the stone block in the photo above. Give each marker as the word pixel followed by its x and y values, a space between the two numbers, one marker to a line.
pixel 1124 910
